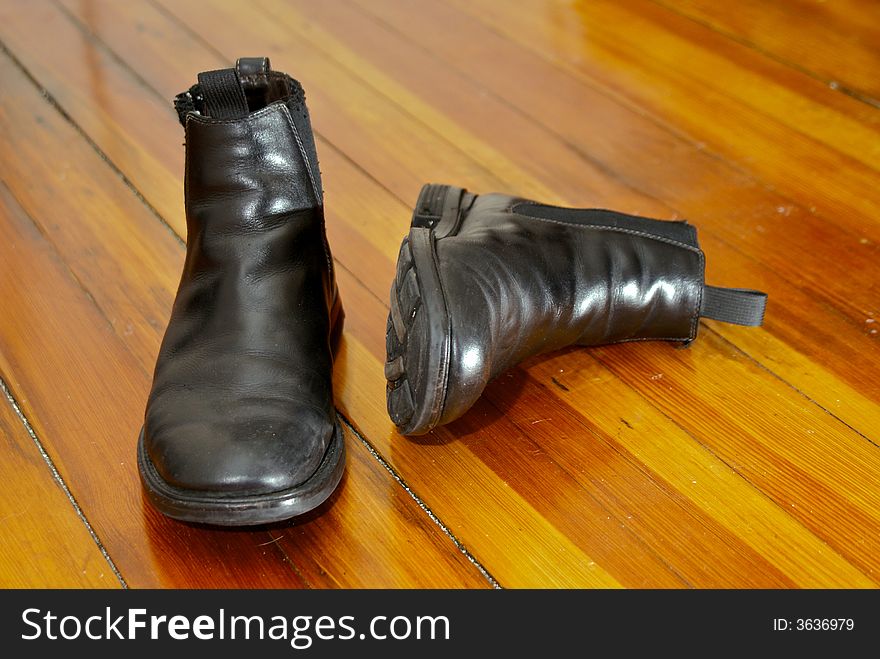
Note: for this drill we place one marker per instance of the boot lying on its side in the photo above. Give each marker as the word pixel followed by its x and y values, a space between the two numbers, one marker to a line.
pixel 486 281
pixel 240 426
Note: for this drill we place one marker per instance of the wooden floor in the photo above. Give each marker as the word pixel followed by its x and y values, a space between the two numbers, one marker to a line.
pixel 748 460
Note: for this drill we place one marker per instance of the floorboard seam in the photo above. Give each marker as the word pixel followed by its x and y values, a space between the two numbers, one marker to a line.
pixel 421 504
pixel 767 496
pixel 763 367
pixel 52 101
pixel 58 479
pixel 664 124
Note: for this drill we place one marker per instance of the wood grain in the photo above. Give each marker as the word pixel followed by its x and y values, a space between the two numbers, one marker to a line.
pixel 43 543
pixel 837 41
pixel 812 144
pixel 747 460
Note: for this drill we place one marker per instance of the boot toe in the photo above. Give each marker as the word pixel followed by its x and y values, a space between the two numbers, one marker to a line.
pixel 246 457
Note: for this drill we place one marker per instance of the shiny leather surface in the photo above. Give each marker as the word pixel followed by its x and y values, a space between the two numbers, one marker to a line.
pixel 242 400
pixel 517 285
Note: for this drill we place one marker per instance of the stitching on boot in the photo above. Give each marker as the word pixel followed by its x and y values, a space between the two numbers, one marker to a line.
pixel 318 196
pixel 633 232
pixel 275 106
pixel 695 320
pixel 272 107
pixel 302 151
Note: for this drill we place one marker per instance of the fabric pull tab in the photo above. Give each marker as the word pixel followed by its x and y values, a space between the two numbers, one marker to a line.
pixel 224 97
pixel 740 306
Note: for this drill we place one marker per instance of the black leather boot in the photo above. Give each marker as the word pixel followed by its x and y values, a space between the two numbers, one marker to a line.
pixel 240 426
pixel 486 281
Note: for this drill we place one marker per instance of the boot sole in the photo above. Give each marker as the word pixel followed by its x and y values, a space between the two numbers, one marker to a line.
pixel 244 510
pixel 418 335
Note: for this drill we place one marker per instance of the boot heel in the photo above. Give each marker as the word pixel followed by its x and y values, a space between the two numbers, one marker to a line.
pixel 418 335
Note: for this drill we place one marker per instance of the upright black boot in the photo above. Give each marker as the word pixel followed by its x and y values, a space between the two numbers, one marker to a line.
pixel 486 281
pixel 240 426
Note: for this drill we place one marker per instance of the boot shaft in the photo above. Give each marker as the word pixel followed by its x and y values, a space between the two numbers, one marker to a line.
pixel 251 175
pixel 549 277
pixel 250 150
